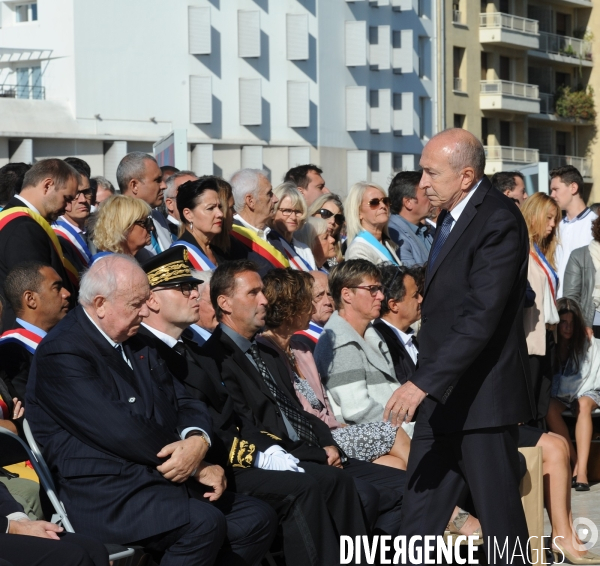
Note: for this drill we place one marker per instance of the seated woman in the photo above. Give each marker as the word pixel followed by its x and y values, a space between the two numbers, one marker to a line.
pixel 575 385
pixel 329 207
pixel 290 215
pixel 123 226
pixel 367 216
pixel 202 217
pixel 316 235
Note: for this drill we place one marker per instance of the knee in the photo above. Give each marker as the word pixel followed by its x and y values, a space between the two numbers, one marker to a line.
pixel 586 405
pixel 206 521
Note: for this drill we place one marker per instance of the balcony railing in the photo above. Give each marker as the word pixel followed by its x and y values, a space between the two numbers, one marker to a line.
pixel 547 102
pixel 511 154
pixel 22 91
pixel 458 84
pixel 509 88
pixel 564 45
pixel 583 164
pixel 498 20
pixel 456 16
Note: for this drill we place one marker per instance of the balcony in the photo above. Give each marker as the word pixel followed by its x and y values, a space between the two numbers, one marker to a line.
pixel 457 17
pixel 583 164
pixel 22 91
pixel 505 158
pixel 509 96
pixel 457 85
pixel 507 30
pixel 564 49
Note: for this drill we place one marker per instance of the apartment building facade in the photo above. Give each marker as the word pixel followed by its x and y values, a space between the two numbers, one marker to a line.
pixel 349 85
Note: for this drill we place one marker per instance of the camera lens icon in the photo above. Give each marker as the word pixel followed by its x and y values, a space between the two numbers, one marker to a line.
pixel 587 532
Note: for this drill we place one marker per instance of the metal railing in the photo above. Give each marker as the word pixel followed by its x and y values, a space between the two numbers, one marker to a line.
pixel 498 20
pixel 509 88
pixel 583 164
pixel 22 91
pixel 457 16
pixel 547 103
pixel 458 84
pixel 512 154
pixel 565 45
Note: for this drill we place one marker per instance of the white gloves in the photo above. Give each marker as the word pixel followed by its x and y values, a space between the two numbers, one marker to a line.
pixel 277 459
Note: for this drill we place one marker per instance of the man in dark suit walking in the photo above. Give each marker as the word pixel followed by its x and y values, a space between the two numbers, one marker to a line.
pixel 471 385
pixel 124 441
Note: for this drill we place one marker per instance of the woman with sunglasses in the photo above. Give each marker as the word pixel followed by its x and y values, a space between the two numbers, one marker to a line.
pixel 123 226
pixel 367 216
pixel 329 207
pixel 316 235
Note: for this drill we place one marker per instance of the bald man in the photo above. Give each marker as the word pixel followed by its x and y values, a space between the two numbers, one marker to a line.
pixel 471 385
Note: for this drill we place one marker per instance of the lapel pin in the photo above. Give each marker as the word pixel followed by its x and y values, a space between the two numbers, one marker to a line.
pixel 132 399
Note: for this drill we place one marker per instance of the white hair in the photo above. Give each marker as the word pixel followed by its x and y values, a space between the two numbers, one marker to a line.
pixel 309 233
pixel 245 182
pixel 102 278
pixel 171 190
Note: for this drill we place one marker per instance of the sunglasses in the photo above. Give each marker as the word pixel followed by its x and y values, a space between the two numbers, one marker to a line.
pixel 374 202
pixel 327 214
pixel 87 193
pixel 146 224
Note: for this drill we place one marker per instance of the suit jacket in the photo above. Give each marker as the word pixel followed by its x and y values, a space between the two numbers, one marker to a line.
pixel 580 277
pixel 411 249
pixel 100 425
pixel 472 351
pixel 23 239
pixel 163 234
pixel 403 364
pixel 15 362
pixel 8 505
pixel 253 400
pixel 235 440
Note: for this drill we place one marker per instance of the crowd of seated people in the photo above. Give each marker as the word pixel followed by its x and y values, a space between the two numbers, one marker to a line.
pixel 206 370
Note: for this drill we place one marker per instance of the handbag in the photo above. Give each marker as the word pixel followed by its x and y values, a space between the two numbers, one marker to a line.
pixel 567 388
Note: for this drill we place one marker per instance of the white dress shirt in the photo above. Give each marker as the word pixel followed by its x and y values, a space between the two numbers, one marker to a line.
pixel 110 340
pixel 27 203
pixel 407 341
pixel 460 207
pixel 261 233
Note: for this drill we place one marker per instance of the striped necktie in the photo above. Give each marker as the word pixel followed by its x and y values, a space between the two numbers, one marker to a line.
pixel 441 239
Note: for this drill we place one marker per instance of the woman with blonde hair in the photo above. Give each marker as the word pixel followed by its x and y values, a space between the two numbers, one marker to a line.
pixel 367 215
pixel 290 215
pixel 123 226
pixel 542 216
pixel 329 207
pixel 316 235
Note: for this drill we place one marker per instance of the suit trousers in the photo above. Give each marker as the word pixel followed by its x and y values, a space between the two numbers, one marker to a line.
pixel 486 462
pixel 235 530
pixel 71 550
pixel 313 509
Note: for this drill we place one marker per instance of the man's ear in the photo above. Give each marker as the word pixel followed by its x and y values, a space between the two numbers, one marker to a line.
pixel 48 184
pixel 133 187
pixel 468 174
pixel 30 300
pixel 573 188
pixel 153 303
pixel 250 201
pixel 224 303
pixel 99 304
pixel 393 305
pixel 346 295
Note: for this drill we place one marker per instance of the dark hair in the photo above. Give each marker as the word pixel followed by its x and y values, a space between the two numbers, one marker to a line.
pixel 11 180
pixel 569 174
pixel 190 190
pixel 299 175
pixel 221 240
pixel 289 293
pixel 505 180
pixel 23 277
pixel 222 281
pixel 56 169
pixel 418 272
pixel 168 170
pixel 579 341
pixel 350 273
pixel 392 279
pixel 403 185
pixel 79 165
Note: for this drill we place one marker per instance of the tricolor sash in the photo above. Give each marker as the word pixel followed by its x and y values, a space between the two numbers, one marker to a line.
pixel 296 261
pixel 196 256
pixel 97 256
pixel 263 248
pixel 20 211
pixel 382 251
pixel 551 275
pixel 25 338
pixel 68 232
pixel 313 331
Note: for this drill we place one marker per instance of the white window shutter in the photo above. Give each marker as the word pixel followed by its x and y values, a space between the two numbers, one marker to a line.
pixel 403 5
pixel 409 162
pixel 298 104
pixel 297 37
pixel 199 30
pixel 384 47
pixel 403 58
pixel 384 125
pixel 252 157
pixel 250 102
pixel 356 166
pixel 298 156
pixel 200 100
pixel 248 33
pixel 385 169
pixel 356 43
pixel 356 108
pixel 202 159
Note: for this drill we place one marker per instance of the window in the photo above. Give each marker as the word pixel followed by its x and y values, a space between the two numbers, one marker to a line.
pixel 298 104
pixel 504 68
pixel 248 33
pixel 459 120
pixel 297 37
pixel 505 133
pixel 425 117
pixel 29 82
pixel 458 56
pixel 200 100
pixel 485 130
pixel 199 30
pixel 484 65
pixel 26 12
pixel 505 6
pixel 356 43
pixel 562 143
pixel 424 57
pixel 250 102
pixel 356 108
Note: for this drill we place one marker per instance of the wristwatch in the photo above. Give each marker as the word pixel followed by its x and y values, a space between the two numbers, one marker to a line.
pixel 199 433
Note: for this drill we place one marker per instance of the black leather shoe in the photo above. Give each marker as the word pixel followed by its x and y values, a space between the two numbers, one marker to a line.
pixel 582 486
pixel 573 481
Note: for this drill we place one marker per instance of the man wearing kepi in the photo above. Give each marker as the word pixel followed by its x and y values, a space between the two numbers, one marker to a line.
pixel 471 386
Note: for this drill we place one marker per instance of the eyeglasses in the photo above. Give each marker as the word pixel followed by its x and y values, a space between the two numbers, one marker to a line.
pixel 373 289
pixel 374 202
pixel 146 224
pixel 185 288
pixel 87 193
pixel 290 211
pixel 326 214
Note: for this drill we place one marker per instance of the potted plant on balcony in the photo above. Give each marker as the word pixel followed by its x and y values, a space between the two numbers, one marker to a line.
pixel 577 104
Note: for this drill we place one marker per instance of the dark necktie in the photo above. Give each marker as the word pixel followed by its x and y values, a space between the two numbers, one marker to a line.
pixel 298 421
pixel 119 349
pixel 441 239
pixel 180 348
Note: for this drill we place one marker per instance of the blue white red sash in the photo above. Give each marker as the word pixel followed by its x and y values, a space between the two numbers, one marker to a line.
pixel 196 256
pixel 313 331
pixel 97 256
pixel 551 275
pixel 69 233
pixel 368 238
pixel 296 261
pixel 26 338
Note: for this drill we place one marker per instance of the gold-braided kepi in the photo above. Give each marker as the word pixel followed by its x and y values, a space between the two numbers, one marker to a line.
pixel 170 267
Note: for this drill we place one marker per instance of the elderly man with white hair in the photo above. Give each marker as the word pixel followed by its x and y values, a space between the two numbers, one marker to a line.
pixel 255 206
pixel 173 182
pixel 125 442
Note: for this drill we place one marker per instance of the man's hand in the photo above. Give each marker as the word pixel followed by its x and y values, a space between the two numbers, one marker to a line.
pixel 333 456
pixel 403 403
pixel 184 456
pixel 212 476
pixel 41 529
pixel 18 409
